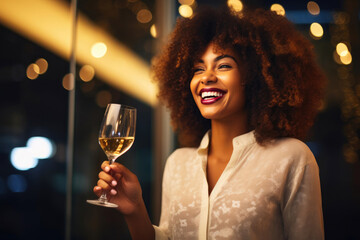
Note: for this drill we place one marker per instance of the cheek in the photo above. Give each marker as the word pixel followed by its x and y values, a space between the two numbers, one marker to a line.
pixel 193 88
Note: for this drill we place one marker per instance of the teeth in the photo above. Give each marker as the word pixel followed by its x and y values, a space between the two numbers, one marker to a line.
pixel 211 94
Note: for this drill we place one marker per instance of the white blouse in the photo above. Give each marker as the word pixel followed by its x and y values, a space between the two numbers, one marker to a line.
pixel 265 192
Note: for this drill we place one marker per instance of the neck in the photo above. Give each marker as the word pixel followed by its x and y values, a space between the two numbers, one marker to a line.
pixel 222 134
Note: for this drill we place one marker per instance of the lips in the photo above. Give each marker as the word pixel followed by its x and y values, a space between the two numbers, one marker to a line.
pixel 211 95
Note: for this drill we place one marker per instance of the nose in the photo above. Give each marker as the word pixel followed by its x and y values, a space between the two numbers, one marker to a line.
pixel 208 77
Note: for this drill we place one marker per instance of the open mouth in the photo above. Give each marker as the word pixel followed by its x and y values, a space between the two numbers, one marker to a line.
pixel 212 95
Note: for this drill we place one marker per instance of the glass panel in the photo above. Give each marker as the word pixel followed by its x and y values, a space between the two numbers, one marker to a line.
pixel 33 104
pixel 130 47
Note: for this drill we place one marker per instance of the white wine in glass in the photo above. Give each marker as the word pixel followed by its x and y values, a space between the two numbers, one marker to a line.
pixel 116 136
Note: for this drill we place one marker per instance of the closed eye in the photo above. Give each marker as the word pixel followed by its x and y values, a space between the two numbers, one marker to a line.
pixel 225 66
pixel 197 70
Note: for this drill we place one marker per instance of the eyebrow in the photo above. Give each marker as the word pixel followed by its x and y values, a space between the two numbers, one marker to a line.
pixel 218 58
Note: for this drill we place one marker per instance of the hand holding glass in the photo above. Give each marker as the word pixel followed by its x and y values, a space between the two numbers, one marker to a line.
pixel 116 136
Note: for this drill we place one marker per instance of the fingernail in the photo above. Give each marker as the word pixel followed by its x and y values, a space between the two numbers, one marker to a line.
pixel 107 168
pixel 113 192
pixel 114 183
pixel 97 188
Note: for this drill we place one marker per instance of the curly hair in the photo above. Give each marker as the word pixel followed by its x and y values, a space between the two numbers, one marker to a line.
pixel 283 83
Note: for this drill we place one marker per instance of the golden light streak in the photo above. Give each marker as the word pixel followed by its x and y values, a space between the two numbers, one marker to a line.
pixel 120 67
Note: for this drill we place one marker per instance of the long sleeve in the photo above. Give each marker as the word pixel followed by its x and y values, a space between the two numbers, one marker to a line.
pixel 302 213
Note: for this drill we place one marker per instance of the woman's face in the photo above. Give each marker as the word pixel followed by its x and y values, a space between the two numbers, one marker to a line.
pixel 217 85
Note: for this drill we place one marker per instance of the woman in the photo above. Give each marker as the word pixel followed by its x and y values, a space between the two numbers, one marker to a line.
pixel 245 86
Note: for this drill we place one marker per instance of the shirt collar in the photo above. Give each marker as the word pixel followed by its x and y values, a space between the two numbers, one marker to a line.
pixel 238 142
pixel 204 144
pixel 244 140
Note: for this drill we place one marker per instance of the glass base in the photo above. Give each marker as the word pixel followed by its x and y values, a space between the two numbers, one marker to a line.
pixel 102 204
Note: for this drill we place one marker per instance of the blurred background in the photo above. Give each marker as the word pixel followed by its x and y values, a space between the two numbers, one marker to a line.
pixel 63 61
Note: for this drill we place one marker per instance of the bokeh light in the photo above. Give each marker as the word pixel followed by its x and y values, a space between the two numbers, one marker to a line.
pixel 235 4
pixel 32 71
pixel 40 147
pixel 21 158
pixel 153 31
pixel 346 59
pixel 68 82
pixel 86 73
pixel 185 11
pixel 144 16
pixel 43 65
pixel 313 8
pixel 98 50
pixel 316 30
pixel 342 49
pixel 278 8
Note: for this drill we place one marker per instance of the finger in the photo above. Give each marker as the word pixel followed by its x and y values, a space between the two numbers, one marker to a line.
pixel 113 192
pixel 105 166
pixel 104 185
pixel 97 190
pixel 108 178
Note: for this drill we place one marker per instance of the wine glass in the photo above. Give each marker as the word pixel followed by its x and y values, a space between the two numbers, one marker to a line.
pixel 116 136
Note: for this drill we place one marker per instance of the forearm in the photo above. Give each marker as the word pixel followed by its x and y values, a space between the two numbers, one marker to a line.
pixel 139 224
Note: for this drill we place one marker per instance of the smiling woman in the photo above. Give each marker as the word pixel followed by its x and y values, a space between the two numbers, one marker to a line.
pixel 243 88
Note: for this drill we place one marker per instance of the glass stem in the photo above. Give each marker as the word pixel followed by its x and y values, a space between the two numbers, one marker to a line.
pixel 103 198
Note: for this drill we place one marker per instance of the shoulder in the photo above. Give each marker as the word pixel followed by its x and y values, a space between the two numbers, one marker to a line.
pixel 290 150
pixel 180 153
pixel 180 156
